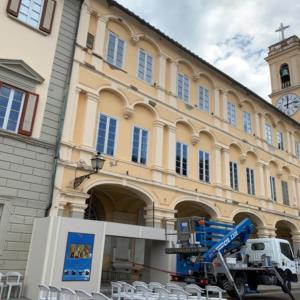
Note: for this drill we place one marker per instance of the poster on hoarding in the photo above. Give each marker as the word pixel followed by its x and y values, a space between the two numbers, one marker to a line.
pixel 78 257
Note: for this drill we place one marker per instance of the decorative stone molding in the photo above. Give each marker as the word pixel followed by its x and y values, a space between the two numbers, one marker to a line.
pixel 279 173
pixel 127 113
pixel 242 158
pixel 134 39
pixel 195 140
pixel 158 123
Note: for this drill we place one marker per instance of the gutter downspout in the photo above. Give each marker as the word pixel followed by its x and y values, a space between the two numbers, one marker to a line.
pixel 62 117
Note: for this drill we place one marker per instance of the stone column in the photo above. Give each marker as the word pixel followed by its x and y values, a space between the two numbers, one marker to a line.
pixel 262 127
pixel 298 191
pixel 296 243
pixel 267 181
pixel 174 78
pixel 218 164
pixel 293 195
pixel 84 23
pixel 225 101
pixel 158 217
pixel 99 45
pixel 217 102
pixel 90 120
pixel 293 148
pixel 288 142
pixel 158 150
pixel 171 169
pixel 162 77
pixel 261 179
pixel 70 117
pixel 226 167
pixel 257 126
pixel 265 232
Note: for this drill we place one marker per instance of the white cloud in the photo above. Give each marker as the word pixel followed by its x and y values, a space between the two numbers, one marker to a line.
pixel 232 35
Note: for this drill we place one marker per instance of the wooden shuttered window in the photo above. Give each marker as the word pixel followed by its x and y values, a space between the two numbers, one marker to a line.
pixel 13 7
pixel 46 16
pixel 28 114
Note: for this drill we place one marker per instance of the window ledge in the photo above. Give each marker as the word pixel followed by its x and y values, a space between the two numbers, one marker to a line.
pixel 27 25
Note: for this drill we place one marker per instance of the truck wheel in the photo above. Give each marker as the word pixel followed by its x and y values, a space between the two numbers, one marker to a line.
pixel 252 285
pixel 288 287
pixel 240 284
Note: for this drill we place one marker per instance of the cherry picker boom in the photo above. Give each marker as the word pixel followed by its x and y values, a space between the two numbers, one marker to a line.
pixel 210 252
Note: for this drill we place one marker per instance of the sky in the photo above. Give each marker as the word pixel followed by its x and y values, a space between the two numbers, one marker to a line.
pixel 233 35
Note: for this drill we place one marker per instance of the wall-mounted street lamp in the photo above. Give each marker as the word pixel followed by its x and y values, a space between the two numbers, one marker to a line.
pixel 97 163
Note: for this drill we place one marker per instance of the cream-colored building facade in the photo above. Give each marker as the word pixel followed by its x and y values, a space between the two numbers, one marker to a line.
pixel 218 116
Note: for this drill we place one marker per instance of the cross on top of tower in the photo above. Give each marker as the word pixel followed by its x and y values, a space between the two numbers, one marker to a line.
pixel 281 29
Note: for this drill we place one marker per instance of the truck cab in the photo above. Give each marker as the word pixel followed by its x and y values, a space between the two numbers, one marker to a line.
pixel 277 251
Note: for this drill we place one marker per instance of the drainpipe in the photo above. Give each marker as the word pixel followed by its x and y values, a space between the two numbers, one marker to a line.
pixel 62 116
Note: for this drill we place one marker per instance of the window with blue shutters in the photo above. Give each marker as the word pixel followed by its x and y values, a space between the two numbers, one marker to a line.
pixel 11 103
pixel 203 99
pixel 145 66
pixel 181 158
pixel 233 175
pixel 247 121
pixel 231 113
pixel 268 133
pixel 139 145
pixel 285 192
pixel 106 135
pixel 115 50
pixel 250 181
pixel 183 87
pixel 204 166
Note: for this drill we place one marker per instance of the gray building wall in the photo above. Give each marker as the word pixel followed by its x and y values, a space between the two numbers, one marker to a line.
pixel 26 164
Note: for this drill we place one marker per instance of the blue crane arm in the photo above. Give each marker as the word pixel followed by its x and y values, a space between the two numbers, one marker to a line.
pixel 232 240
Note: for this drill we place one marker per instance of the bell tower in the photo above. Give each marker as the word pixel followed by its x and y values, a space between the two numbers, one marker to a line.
pixel 284 63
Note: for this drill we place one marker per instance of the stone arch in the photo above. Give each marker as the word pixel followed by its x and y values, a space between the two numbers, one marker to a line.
pixel 191 206
pixel 120 21
pixel 235 94
pixel 187 64
pixel 187 124
pixel 258 220
pixel 114 90
pixel 269 117
pixel 209 132
pixel 237 146
pixel 208 78
pixel 285 229
pixel 148 107
pixel 250 104
pixel 253 153
pixel 151 41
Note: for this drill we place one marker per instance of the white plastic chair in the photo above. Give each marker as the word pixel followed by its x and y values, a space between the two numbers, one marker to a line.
pixel 67 294
pixel 171 286
pixel 83 295
pixel 54 293
pixel 165 294
pixel 154 284
pixel 13 279
pixel 100 296
pixel 181 293
pixel 139 283
pixel 43 292
pixel 214 290
pixel 145 292
pixel 1 284
pixel 196 291
pixel 116 290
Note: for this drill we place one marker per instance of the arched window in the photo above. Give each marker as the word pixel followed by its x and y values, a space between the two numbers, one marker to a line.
pixel 285 76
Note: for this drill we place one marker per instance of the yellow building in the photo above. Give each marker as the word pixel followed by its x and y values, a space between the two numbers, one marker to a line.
pixel 180 138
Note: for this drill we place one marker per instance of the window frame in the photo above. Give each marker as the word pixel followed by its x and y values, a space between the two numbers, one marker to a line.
pixel 184 76
pixel 273 188
pixel 106 134
pixel 28 16
pixel 234 175
pixel 285 185
pixel 141 129
pixel 115 51
pixel 204 101
pixel 297 149
pixel 181 159
pixel 206 170
pixel 147 54
pixel 280 140
pixel 268 133
pixel 250 179
pixel 230 116
pixel 247 126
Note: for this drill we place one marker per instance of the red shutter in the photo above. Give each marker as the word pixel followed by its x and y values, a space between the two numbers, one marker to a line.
pixel 28 114
pixel 47 15
pixel 13 7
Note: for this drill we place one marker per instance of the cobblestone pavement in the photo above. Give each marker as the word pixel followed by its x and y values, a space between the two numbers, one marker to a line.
pixel 276 295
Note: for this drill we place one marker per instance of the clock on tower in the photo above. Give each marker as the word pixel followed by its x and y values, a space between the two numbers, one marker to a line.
pixel 289 104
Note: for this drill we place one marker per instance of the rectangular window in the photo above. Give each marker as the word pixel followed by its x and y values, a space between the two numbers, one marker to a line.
pixel 250 181
pixel 203 99
pixel 247 121
pixel 181 158
pixel 280 140
pixel 204 166
pixel 297 149
pixel 30 12
pixel 231 113
pixel 285 192
pixel 183 87
pixel 115 50
pixel 273 188
pixel 139 145
pixel 268 133
pixel 106 135
pixel 11 104
pixel 145 66
pixel 234 175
